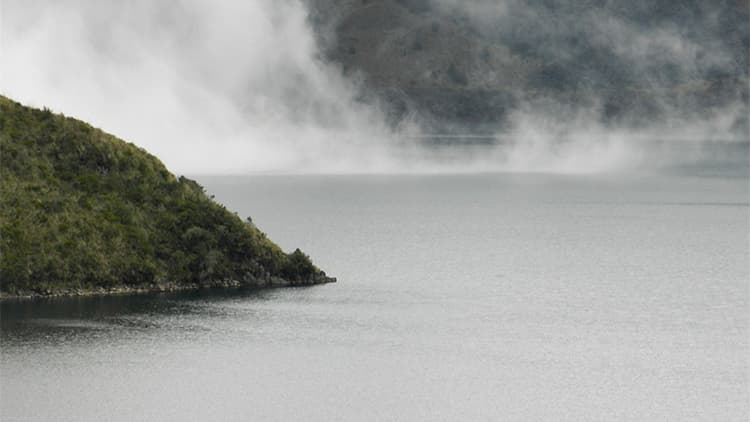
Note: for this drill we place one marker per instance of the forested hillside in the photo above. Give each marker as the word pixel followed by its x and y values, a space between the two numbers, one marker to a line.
pixel 470 63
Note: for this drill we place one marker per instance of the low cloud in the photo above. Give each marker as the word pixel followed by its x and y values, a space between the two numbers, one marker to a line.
pixel 239 87
pixel 228 86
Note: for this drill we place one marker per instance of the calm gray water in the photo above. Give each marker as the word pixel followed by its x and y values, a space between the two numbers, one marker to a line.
pixel 463 297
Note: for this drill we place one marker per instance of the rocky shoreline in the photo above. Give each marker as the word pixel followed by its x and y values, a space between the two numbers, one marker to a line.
pixel 260 283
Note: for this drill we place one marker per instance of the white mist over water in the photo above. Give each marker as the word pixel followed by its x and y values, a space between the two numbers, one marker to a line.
pixel 238 87
pixel 208 87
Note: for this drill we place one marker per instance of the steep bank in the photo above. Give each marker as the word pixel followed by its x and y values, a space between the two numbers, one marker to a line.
pixel 82 211
pixel 470 64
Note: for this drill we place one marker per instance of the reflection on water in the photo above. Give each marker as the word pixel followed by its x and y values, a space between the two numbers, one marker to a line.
pixel 27 320
pixel 467 297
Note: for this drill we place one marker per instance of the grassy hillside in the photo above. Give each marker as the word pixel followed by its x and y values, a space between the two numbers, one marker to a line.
pixel 81 209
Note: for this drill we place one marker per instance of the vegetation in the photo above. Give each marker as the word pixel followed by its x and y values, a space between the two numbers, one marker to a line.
pixel 81 209
pixel 466 66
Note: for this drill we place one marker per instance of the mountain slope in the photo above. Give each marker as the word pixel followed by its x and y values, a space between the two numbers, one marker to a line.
pixel 82 210
pixel 470 63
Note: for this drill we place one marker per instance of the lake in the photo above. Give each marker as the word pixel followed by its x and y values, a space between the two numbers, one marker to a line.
pixel 514 297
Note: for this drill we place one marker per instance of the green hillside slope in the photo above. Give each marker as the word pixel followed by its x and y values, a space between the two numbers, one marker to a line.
pixel 82 210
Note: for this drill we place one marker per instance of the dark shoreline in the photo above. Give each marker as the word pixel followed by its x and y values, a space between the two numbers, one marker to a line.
pixel 266 283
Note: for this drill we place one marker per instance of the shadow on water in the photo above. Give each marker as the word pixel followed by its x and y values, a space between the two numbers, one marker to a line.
pixel 33 318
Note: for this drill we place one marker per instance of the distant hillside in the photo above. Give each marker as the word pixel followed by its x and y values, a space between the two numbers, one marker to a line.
pixel 469 63
pixel 81 210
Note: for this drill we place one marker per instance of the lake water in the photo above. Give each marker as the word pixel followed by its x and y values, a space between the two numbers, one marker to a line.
pixel 460 297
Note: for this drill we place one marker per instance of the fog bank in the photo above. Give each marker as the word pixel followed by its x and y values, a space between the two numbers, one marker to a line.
pixel 228 86
pixel 239 87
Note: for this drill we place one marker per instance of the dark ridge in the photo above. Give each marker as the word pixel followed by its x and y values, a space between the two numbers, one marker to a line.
pixel 462 64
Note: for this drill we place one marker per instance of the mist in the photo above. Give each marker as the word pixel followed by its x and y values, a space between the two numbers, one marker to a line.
pixel 209 87
pixel 680 62
pixel 237 87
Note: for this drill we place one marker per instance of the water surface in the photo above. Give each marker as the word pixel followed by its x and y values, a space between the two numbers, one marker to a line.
pixel 461 297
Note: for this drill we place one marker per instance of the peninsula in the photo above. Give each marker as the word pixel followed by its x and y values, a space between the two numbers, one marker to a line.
pixel 83 212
